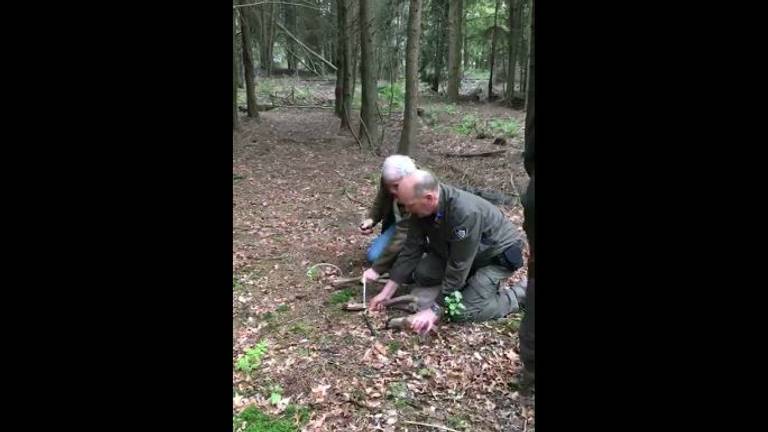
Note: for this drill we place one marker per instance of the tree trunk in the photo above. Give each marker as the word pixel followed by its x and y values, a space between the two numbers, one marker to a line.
pixel 441 13
pixel 355 61
pixel 524 41
pixel 235 122
pixel 465 43
pixel 338 61
pixel 513 38
pixel 267 32
pixel 348 89
pixel 493 51
pixel 395 58
pixel 250 90
pixel 240 73
pixel 408 136
pixel 454 49
pixel 369 127
pixel 289 13
pixel 530 99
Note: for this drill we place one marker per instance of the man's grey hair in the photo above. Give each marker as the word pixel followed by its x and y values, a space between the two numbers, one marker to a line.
pixel 425 182
pixel 396 167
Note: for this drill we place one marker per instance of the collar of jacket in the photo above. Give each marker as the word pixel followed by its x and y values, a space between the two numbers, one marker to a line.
pixel 440 213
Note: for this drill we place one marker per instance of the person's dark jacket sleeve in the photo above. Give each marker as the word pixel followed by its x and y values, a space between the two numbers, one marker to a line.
pixel 410 255
pixel 382 204
pixel 464 244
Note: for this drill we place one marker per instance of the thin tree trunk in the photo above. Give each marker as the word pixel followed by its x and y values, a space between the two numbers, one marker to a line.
pixel 530 99
pixel 339 90
pixel 266 23
pixel 250 90
pixel 355 62
pixel 454 49
pixel 465 44
pixel 290 23
pixel 513 39
pixel 408 136
pixel 348 89
pixel 525 40
pixel 440 12
pixel 369 128
pixel 235 122
pixel 493 51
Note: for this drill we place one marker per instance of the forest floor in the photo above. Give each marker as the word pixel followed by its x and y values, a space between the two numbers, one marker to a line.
pixel 301 186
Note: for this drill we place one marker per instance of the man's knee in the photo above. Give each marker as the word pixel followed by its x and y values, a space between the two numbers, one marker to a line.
pixel 482 299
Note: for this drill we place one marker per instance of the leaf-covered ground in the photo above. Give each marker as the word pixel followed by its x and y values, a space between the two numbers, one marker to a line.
pixel 301 187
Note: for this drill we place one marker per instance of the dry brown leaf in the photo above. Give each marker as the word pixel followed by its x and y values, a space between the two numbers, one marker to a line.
pixel 319 393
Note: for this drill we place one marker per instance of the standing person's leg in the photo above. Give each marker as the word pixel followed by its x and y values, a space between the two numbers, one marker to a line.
pixel 527 327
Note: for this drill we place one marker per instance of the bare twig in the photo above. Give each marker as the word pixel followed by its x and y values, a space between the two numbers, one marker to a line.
pixel 352 199
pixel 277 2
pixel 430 425
pixel 285 30
pixel 354 279
pixel 368 323
pixel 512 181
pixel 302 62
pixel 325 264
pixel 349 126
pixel 274 258
pixel 367 133
pixel 480 154
pixel 301 106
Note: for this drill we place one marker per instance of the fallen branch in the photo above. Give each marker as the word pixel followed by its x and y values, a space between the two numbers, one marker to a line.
pixel 302 106
pixel 430 425
pixel 302 62
pixel 309 270
pixel 355 279
pixel 367 133
pixel 349 126
pixel 481 154
pixel 512 181
pixel 274 258
pixel 368 323
pixel 401 299
pixel 277 2
pixel 354 307
pixel 285 30
pixel 399 323
pixel 352 199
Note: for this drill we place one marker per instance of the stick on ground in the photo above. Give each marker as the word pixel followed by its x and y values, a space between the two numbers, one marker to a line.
pixel 430 425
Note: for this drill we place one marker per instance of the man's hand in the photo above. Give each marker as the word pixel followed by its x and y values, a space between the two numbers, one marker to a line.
pixel 370 275
pixel 386 293
pixel 366 227
pixel 376 302
pixel 422 322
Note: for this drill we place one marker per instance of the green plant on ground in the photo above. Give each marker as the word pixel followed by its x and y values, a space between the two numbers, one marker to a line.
pixel 275 394
pixel 469 124
pixel 252 357
pixel 253 420
pixel 507 127
pixel 453 305
pixel 342 296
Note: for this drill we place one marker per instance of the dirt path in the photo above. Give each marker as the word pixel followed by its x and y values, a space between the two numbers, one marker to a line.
pixel 300 189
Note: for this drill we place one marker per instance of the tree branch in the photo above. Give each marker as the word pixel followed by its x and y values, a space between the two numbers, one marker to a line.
pixel 278 2
pixel 285 30
pixel 430 425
